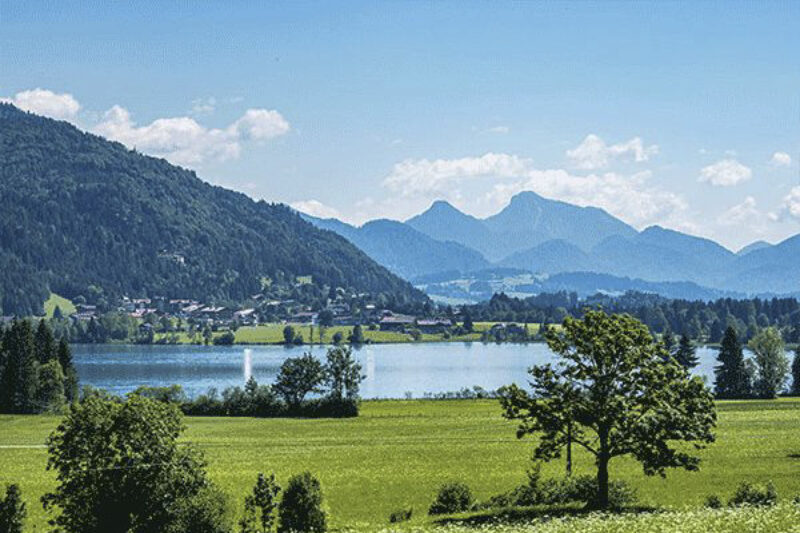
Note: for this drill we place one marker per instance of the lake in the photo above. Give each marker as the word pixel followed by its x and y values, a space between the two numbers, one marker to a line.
pixel 392 370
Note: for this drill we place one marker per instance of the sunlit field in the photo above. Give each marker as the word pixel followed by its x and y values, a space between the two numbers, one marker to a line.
pixel 397 453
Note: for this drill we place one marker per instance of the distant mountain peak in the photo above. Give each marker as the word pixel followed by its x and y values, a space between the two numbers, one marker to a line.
pixel 526 197
pixel 752 247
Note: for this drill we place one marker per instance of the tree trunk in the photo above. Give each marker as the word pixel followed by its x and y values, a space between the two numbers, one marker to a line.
pixel 603 457
pixel 569 449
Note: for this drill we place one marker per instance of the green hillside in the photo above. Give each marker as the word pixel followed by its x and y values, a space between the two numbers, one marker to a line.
pixel 80 215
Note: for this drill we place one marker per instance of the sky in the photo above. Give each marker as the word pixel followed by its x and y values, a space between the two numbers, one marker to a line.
pixel 681 114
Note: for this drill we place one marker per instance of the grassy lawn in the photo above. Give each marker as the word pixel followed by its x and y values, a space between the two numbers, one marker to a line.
pixel 273 334
pixel 66 306
pixel 398 453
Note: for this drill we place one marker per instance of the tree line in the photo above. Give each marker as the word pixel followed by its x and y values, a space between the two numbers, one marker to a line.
pixel 334 384
pixel 36 370
pixel 699 320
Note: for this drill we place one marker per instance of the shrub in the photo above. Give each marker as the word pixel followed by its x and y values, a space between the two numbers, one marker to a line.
pixel 12 511
pixel 750 494
pixel 713 502
pixel 401 515
pixel 452 498
pixel 338 337
pixel 300 510
pixel 226 339
pixel 561 491
pixel 260 506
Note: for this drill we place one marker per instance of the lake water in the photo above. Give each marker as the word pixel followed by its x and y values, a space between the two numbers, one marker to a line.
pixel 392 370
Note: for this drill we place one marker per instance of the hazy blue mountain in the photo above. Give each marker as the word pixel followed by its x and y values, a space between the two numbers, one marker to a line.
pixel 550 257
pixel 550 237
pixel 530 219
pixel 772 269
pixel 443 222
pixel 659 254
pixel 753 246
pixel 404 250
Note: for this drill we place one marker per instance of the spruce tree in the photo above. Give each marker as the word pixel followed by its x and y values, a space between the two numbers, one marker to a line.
pixel 45 343
pixel 732 377
pixel 468 324
pixel 70 374
pixel 686 354
pixel 18 387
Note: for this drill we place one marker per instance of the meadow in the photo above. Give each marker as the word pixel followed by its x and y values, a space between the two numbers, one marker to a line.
pixel 273 334
pixel 397 453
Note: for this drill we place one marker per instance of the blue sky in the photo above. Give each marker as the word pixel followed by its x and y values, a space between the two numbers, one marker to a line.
pixel 684 114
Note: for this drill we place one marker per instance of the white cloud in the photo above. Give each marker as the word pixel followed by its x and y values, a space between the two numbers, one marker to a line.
pixel 791 203
pixel 315 208
pixel 43 102
pixel 204 106
pixel 725 173
pixel 781 159
pixel 420 176
pixel 499 129
pixel 631 198
pixel 261 124
pixel 594 153
pixel 181 140
pixel 184 141
pixel 745 212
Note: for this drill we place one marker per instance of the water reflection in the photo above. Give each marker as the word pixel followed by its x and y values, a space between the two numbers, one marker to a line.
pixel 247 365
pixel 391 370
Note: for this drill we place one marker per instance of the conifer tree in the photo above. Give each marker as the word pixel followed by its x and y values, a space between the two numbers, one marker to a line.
pixel 18 386
pixel 70 374
pixel 732 377
pixel 45 343
pixel 686 354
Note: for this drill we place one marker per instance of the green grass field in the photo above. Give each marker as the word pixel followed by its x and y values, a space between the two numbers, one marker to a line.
pixel 66 306
pixel 273 334
pixel 398 452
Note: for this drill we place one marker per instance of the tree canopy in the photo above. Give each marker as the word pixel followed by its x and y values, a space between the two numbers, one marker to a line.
pixel 119 469
pixel 614 392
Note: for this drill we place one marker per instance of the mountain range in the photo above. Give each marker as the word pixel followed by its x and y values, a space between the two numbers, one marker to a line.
pixel 549 237
pixel 82 216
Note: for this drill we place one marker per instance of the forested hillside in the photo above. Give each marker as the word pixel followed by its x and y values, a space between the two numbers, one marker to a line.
pixel 80 215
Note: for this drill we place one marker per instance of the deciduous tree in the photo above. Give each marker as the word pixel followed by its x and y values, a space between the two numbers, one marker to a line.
pixel 119 469
pixel 771 361
pixel 614 395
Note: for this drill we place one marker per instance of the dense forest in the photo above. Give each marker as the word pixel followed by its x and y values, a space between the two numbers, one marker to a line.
pixel 82 216
pixel 706 321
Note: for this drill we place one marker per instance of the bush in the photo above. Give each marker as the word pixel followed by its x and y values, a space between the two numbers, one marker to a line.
pixel 559 491
pixel 750 494
pixel 713 502
pixel 300 510
pixel 401 515
pixel 12 511
pixel 326 407
pixel 452 498
pixel 226 339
